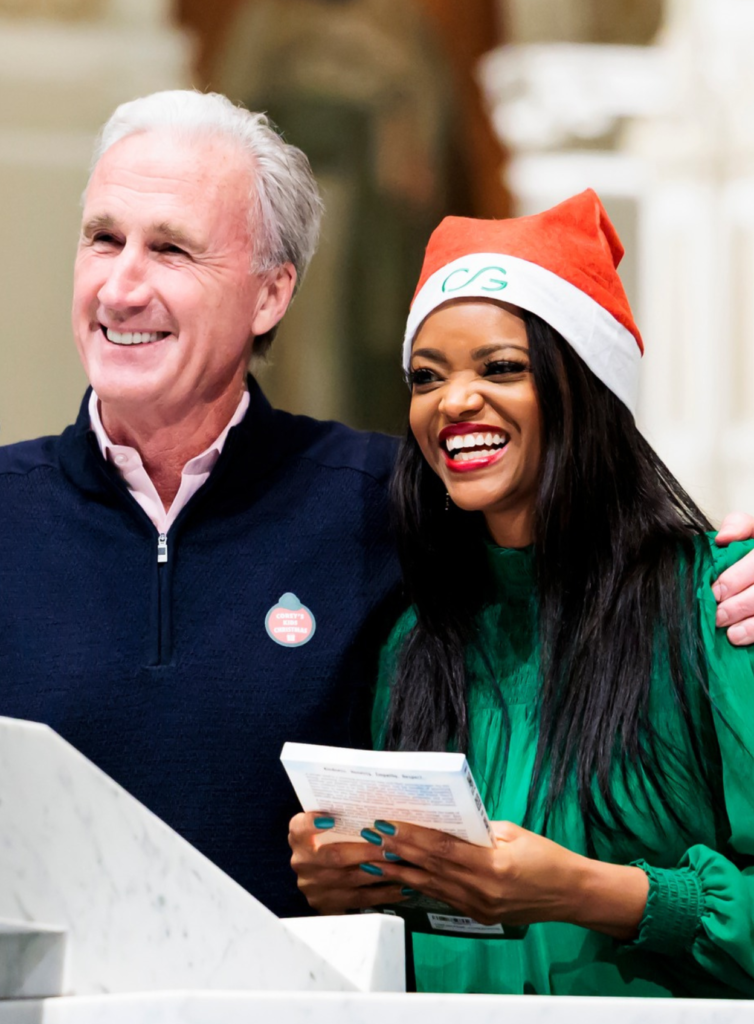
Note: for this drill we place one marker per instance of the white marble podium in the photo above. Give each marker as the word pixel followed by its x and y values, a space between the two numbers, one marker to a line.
pixel 97 895
pixel 107 916
pixel 370 1008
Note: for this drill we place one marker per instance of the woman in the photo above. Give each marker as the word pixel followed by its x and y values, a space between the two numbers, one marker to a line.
pixel 562 631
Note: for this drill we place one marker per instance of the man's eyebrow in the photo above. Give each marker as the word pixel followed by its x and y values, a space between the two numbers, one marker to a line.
pixel 178 237
pixel 102 222
pixel 164 230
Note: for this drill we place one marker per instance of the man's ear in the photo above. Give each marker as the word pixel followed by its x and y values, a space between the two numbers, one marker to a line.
pixel 274 298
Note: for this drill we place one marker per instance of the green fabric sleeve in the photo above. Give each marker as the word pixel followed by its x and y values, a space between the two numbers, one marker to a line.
pixel 386 674
pixel 704 908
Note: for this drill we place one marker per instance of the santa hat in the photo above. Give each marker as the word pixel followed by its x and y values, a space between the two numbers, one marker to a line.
pixel 560 264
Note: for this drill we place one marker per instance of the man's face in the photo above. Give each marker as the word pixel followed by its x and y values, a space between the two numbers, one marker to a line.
pixel 164 303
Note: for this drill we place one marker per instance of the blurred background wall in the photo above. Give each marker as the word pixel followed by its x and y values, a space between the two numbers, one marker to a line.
pixel 410 109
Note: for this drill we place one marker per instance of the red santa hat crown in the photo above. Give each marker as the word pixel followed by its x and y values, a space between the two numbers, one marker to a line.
pixel 560 264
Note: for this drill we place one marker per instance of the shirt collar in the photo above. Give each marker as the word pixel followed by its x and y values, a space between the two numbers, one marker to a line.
pixel 201 463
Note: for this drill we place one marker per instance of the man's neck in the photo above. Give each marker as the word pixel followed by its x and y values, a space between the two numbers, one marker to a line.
pixel 166 443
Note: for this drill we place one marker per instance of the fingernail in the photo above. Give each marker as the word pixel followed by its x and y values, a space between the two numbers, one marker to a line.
pixel 371 869
pixel 371 837
pixel 324 822
pixel 722 618
pixel 385 827
pixel 389 855
pixel 737 634
pixel 720 591
pixel 405 891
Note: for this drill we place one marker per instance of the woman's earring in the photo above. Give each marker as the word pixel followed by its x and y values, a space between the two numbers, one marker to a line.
pixel 447 501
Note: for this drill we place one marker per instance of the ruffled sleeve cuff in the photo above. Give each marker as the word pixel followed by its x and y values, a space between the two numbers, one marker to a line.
pixel 673 914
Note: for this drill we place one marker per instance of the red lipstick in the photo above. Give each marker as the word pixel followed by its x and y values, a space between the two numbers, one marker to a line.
pixel 453 429
pixel 485 459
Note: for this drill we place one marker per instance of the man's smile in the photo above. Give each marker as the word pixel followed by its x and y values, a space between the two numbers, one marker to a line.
pixel 133 337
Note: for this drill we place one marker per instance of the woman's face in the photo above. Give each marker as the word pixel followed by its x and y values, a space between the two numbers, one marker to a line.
pixel 475 413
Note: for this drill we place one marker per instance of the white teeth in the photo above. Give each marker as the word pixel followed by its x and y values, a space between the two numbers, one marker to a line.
pixel 133 337
pixel 486 444
pixel 471 456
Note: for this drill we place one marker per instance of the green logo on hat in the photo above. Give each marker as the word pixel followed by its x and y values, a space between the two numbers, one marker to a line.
pixel 493 283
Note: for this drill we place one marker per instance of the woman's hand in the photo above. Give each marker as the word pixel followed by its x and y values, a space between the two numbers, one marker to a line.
pixel 329 874
pixel 524 879
pixel 734 588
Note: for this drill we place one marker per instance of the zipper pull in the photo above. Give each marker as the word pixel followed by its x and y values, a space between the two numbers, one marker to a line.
pixel 162 549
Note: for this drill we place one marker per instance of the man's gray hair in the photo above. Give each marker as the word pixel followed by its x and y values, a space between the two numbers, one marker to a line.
pixel 285 203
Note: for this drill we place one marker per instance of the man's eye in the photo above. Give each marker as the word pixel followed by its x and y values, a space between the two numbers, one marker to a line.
pixel 170 249
pixel 103 238
pixel 417 378
pixel 504 368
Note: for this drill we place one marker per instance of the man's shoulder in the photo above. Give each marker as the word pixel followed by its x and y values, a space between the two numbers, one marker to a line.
pixel 333 445
pixel 25 457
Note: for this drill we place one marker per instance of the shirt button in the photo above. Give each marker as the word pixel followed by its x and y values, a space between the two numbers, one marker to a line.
pixel 120 458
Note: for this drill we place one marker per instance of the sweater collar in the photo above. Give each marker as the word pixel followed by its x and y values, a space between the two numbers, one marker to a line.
pixel 512 568
pixel 83 463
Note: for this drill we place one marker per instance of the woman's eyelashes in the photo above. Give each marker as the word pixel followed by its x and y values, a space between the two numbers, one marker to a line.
pixel 504 367
pixel 421 377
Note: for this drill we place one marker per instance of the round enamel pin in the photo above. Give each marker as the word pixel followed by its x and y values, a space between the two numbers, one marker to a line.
pixel 289 623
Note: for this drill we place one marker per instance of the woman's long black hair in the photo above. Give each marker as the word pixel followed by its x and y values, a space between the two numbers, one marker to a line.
pixel 614 556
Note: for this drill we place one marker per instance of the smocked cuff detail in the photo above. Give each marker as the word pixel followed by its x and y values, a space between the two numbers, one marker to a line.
pixel 673 913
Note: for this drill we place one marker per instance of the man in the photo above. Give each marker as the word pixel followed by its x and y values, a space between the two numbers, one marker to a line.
pixel 188 577
pixel 142 552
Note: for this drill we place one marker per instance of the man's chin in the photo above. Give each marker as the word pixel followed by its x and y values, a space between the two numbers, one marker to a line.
pixel 125 392
pixel 118 379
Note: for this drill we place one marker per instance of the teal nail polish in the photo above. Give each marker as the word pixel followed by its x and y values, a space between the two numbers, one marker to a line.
pixel 385 827
pixel 371 869
pixel 371 837
pixel 405 891
pixel 388 855
pixel 326 821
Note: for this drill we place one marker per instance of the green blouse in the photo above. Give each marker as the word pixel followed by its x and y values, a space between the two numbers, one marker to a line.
pixel 697 934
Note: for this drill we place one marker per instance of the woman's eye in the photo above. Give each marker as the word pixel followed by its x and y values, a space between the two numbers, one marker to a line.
pixel 505 368
pixel 420 377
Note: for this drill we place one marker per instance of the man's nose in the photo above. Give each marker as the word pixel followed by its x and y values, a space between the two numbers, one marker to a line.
pixel 126 286
pixel 461 397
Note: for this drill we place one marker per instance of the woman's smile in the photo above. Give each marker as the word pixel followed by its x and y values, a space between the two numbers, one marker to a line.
pixel 470 446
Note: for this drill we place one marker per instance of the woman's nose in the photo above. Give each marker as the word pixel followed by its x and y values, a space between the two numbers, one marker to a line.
pixel 461 397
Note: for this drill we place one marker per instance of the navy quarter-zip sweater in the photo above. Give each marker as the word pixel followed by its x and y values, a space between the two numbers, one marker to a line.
pixel 164 674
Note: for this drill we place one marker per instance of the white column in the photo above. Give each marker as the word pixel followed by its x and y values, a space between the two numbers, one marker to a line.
pixel 665 133
pixel 697 254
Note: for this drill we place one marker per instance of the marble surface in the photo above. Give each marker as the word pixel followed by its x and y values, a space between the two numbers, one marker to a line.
pixel 32 960
pixel 142 909
pixel 368 949
pixel 361 1008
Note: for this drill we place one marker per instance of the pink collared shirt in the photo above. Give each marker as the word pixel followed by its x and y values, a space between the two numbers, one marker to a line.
pixel 131 468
